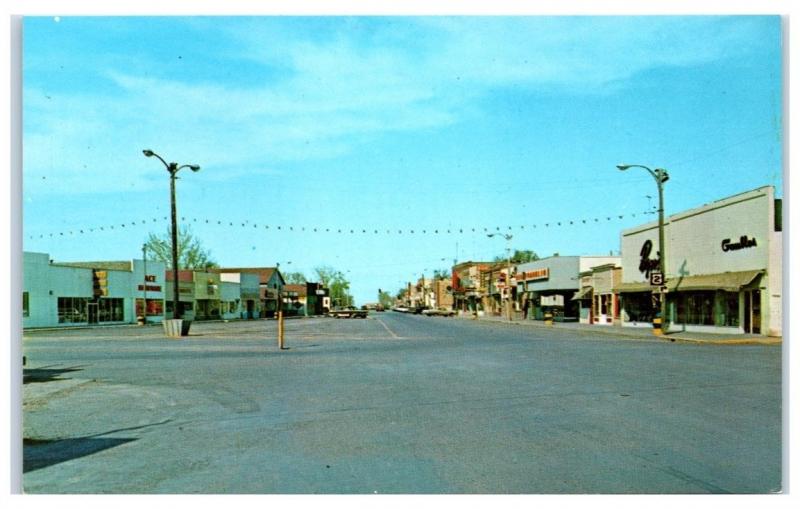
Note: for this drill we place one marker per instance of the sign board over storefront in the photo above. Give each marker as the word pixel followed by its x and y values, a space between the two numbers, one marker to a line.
pixel 744 243
pixel 552 300
pixel 533 275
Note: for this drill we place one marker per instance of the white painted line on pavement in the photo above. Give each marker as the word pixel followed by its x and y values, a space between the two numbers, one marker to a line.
pixel 395 336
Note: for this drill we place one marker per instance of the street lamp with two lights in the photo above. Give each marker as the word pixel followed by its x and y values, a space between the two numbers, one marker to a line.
pixel 173 169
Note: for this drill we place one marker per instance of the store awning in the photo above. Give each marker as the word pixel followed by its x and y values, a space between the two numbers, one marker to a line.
pixel 727 281
pixel 635 288
pixel 584 293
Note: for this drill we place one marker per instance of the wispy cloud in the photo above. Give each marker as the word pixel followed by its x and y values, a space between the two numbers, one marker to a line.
pixel 332 86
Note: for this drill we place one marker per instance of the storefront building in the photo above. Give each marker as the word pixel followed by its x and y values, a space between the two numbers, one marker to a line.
pixel 548 285
pixel 87 293
pixel 467 287
pixel 294 299
pixel 249 291
pixel 442 294
pixel 207 297
pixel 230 304
pixel 495 279
pixel 149 281
pixel 317 299
pixel 185 294
pixel 605 301
pixel 723 269
pixel 270 281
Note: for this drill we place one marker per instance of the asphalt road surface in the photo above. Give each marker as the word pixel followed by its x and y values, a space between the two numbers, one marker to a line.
pixel 396 404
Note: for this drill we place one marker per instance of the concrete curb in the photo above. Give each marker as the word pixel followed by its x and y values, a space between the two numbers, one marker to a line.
pixel 610 331
pixel 156 324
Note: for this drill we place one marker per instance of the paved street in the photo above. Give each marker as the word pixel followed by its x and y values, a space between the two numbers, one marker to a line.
pixel 396 404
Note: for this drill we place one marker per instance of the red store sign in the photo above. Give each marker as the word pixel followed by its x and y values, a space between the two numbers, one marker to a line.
pixel 532 275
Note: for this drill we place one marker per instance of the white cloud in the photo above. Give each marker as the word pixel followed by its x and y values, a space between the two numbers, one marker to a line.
pixel 332 91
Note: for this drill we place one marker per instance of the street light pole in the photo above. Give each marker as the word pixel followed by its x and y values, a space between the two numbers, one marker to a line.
pixel 144 288
pixel 660 176
pixel 173 170
pixel 508 238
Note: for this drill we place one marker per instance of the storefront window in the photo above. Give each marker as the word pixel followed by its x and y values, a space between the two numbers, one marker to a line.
pixel 638 306
pixel 604 301
pixel 727 309
pixel 155 307
pixel 110 310
pixel 695 308
pixel 186 306
pixel 72 310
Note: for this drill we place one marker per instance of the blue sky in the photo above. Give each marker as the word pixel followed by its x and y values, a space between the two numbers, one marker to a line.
pixel 388 123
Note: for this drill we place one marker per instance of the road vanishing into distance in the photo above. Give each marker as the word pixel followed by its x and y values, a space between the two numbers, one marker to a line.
pixel 396 403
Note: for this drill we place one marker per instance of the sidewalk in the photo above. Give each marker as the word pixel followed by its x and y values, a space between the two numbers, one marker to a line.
pixel 636 332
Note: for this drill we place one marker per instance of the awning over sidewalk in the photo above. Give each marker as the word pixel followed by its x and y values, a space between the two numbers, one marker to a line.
pixel 584 293
pixel 635 288
pixel 727 281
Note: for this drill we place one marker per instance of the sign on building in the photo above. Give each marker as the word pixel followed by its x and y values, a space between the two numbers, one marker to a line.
pixel 656 279
pixel 552 300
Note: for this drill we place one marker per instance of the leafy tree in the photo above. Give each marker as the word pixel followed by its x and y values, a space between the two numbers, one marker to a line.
pixel 519 256
pixel 385 299
pixel 441 274
pixel 338 285
pixel 191 253
pixel 294 278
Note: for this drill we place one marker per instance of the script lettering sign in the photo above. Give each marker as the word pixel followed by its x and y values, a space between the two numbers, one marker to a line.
pixel 646 264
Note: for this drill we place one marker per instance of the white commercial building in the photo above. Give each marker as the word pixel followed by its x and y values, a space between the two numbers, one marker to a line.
pixel 86 293
pixel 723 267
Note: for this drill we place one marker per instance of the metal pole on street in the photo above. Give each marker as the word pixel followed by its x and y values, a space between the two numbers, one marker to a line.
pixel 144 288
pixel 280 330
pixel 508 238
pixel 660 176
pixel 173 169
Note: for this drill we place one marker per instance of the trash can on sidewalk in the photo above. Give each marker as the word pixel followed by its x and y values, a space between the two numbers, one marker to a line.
pixel 173 328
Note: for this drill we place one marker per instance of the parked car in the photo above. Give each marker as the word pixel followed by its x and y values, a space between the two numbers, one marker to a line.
pixel 348 312
pixel 438 312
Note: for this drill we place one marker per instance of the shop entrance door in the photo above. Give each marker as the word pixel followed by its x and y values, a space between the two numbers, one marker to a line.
pixel 752 312
pixel 92 312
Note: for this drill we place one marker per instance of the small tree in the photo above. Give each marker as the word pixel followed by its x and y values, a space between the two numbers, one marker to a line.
pixel 519 256
pixel 385 299
pixel 191 253
pixel 335 281
pixel 441 274
pixel 294 278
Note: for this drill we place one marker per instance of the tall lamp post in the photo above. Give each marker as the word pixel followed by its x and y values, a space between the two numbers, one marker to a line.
pixel 508 238
pixel 660 176
pixel 144 288
pixel 173 169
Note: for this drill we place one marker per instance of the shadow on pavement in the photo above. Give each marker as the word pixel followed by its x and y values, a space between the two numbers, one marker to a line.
pixel 40 375
pixel 44 453
pixel 41 453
